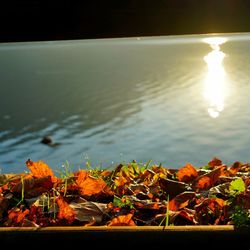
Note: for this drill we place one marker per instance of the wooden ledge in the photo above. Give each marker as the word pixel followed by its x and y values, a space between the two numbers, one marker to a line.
pixel 120 228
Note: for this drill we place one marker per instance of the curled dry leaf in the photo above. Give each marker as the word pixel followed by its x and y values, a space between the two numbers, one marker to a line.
pixel 88 211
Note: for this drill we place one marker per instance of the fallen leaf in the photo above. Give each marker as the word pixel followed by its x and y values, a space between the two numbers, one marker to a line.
pixel 33 187
pixel 187 173
pixel 235 168
pixel 173 188
pixel 215 162
pixel 16 216
pixel 209 210
pixel 122 220
pixel 89 185
pixel 181 200
pixel 207 180
pixel 88 211
pixel 65 212
pixel 40 169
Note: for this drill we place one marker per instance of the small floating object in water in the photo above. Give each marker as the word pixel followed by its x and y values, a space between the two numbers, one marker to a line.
pixel 49 141
pixel 46 140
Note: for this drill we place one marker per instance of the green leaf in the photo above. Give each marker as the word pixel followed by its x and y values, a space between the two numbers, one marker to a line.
pixel 117 202
pixel 237 186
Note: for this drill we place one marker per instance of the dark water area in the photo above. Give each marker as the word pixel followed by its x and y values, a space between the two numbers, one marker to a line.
pixel 36 20
pixel 169 99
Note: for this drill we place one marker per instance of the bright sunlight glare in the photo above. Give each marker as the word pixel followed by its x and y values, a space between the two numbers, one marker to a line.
pixel 215 84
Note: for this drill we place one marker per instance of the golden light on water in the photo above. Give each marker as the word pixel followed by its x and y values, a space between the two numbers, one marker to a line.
pixel 215 87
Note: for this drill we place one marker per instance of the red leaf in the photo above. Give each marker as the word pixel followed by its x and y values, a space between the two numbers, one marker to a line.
pixel 235 168
pixel 215 162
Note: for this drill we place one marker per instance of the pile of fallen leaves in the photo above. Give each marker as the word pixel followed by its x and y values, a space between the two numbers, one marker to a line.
pixel 131 194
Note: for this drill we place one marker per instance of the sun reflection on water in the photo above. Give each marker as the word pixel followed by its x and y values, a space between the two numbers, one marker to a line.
pixel 215 83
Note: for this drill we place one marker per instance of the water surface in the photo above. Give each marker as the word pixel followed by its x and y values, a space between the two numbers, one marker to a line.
pixel 172 100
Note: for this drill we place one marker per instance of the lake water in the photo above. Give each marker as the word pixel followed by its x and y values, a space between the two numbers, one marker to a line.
pixel 172 100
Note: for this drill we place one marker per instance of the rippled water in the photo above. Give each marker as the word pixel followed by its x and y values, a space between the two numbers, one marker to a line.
pixel 171 100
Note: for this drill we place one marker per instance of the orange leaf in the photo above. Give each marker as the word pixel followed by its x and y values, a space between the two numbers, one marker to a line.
pixel 65 211
pixel 17 215
pixel 209 179
pixel 40 169
pixel 181 201
pixel 122 220
pixel 187 173
pixel 89 185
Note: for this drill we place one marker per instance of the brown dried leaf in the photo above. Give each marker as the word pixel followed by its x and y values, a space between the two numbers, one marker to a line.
pixel 88 211
pixel 235 168
pixel 173 188
pixel 209 210
pixel 33 187
pixel 215 162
